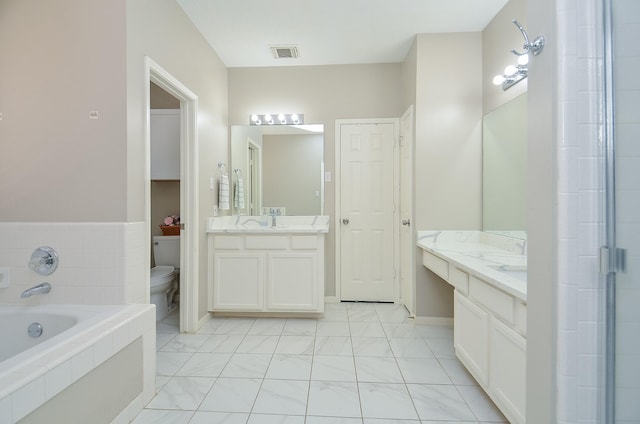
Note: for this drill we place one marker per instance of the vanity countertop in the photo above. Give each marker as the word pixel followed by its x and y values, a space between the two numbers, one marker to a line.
pixel 262 224
pixel 499 260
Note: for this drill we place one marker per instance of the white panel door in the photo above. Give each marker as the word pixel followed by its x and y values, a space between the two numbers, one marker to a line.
pixel 366 212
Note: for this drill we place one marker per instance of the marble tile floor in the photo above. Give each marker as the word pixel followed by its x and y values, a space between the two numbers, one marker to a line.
pixel 362 363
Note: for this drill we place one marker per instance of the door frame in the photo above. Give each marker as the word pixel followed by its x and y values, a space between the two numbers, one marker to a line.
pixel 396 194
pixel 189 204
pixel 407 142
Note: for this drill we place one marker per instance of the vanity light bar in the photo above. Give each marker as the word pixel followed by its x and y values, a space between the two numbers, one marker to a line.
pixel 279 119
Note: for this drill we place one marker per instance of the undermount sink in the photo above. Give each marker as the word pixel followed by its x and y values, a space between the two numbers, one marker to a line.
pixel 516 271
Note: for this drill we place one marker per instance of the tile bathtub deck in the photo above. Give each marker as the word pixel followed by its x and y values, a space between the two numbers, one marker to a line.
pixel 362 363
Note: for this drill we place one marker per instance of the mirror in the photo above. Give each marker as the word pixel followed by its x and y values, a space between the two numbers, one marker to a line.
pixel 281 167
pixel 504 167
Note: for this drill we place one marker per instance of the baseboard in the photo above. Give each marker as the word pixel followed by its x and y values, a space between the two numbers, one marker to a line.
pixel 331 299
pixel 443 321
pixel 203 320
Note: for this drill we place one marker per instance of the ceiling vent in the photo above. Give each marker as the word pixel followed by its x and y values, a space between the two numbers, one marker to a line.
pixel 285 52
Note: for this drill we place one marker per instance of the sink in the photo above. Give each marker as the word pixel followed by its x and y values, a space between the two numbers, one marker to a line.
pixel 516 271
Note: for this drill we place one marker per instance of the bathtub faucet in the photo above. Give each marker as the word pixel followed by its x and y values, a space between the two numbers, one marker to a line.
pixel 40 288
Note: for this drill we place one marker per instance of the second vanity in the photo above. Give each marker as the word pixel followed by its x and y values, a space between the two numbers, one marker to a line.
pixel 488 272
pixel 265 265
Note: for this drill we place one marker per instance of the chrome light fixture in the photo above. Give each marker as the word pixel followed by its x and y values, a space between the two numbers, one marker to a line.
pixel 514 74
pixel 280 119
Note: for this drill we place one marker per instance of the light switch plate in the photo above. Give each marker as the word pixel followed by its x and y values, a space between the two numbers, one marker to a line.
pixel 5 277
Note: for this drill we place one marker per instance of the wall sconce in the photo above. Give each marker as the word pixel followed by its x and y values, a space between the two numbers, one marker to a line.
pixel 514 74
pixel 280 119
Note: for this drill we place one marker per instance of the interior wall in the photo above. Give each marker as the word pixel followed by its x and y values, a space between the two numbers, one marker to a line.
pixel 498 38
pixel 448 137
pixel 61 61
pixel 323 94
pixel 541 202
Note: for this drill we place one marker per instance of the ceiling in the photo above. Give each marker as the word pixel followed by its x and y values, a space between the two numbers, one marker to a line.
pixel 329 32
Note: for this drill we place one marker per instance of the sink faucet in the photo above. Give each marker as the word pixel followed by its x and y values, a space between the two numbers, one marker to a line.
pixel 40 288
pixel 273 220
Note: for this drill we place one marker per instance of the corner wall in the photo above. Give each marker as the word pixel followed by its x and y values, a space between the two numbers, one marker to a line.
pixel 448 150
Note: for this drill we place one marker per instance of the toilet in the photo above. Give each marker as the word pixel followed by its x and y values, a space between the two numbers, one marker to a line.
pixel 164 276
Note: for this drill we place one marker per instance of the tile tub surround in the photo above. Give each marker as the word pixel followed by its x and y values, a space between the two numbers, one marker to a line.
pixel 262 224
pixel 47 373
pixel 314 371
pixel 497 259
pixel 101 263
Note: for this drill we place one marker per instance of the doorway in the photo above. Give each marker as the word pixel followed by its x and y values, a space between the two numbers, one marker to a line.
pixel 189 246
pixel 366 212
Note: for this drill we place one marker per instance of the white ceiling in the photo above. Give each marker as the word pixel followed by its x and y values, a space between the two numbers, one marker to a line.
pixel 329 32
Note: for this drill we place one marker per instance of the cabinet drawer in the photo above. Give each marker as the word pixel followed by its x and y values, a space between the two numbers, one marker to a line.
pixel 436 264
pixel 265 242
pixel 227 242
pixel 304 242
pixel 498 302
pixel 521 318
pixel 460 280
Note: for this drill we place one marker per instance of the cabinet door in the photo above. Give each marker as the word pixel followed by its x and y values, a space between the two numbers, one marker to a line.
pixel 471 337
pixel 238 281
pixel 293 282
pixel 165 144
pixel 508 371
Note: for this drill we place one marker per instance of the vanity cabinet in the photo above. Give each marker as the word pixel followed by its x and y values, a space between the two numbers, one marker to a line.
pixel 489 334
pixel 165 144
pixel 266 273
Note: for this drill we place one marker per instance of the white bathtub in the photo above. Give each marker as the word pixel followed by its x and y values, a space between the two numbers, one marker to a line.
pixel 76 339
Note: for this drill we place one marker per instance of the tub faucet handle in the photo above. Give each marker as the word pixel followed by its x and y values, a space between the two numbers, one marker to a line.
pixel 44 260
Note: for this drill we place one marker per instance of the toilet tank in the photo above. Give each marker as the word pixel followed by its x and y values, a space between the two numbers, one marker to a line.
pixel 166 250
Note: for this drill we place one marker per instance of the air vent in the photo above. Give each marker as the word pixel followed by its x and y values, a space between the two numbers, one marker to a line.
pixel 284 52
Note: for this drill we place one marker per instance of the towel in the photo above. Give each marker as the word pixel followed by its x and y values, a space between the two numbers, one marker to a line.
pixel 238 195
pixel 223 193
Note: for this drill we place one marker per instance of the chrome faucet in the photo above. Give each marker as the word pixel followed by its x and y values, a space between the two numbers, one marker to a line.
pixel 40 288
pixel 273 220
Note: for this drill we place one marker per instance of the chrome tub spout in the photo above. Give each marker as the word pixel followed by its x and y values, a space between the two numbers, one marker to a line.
pixel 39 289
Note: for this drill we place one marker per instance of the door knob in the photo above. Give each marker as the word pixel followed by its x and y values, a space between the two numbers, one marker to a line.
pixel 345 221
pixel 406 222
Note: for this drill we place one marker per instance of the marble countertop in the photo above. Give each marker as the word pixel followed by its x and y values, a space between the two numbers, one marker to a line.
pixel 262 224
pixel 496 259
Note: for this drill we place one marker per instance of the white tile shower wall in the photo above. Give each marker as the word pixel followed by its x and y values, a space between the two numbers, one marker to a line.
pixel 580 218
pixel 100 263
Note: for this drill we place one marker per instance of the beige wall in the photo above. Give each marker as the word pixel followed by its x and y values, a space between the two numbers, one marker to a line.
pixel 61 60
pixel 541 204
pixel 323 94
pixel 179 48
pixel 498 38
pixel 448 149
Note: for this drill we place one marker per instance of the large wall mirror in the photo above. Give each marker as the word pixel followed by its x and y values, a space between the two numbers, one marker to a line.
pixel 281 168
pixel 504 167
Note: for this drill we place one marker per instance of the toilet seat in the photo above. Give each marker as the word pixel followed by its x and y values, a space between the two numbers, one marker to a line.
pixel 162 274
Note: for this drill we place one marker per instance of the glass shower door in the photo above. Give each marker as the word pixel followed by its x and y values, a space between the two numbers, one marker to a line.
pixel 622 70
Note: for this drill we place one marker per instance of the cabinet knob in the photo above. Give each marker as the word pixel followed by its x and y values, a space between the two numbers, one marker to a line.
pixel 406 222
pixel 345 221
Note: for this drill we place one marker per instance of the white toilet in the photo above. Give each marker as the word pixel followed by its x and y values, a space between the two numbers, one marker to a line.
pixel 164 281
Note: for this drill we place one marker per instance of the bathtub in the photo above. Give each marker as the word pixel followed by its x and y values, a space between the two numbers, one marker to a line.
pixel 54 375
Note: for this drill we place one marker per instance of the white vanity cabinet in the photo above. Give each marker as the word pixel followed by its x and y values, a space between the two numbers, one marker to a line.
pixel 255 272
pixel 490 313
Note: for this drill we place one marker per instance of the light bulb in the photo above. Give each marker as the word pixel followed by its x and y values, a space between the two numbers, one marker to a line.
pixel 523 60
pixel 255 118
pixel 510 70
pixel 295 118
pixel 282 119
pixel 268 119
pixel 498 79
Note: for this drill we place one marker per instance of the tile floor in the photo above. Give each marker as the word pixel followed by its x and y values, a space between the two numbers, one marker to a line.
pixel 362 363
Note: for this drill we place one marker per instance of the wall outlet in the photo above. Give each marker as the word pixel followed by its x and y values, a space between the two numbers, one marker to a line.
pixel 5 277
